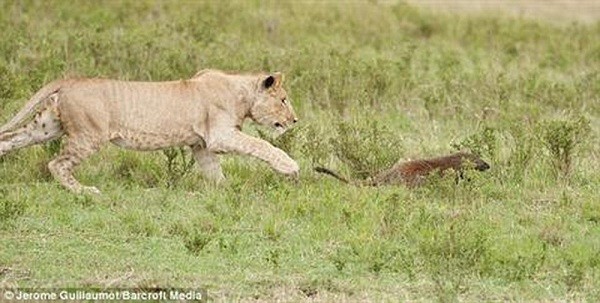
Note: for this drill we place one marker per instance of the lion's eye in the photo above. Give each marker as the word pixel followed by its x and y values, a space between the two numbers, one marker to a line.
pixel 283 100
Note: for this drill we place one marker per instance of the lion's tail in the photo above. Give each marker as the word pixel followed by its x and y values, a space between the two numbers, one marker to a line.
pixel 330 172
pixel 38 98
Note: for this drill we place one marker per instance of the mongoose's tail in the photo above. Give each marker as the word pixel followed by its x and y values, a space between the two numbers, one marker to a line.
pixel 330 172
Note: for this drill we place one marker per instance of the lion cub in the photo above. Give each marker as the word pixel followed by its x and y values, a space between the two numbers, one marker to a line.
pixel 414 173
pixel 205 113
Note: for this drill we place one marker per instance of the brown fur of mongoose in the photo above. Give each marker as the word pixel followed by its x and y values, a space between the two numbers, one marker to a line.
pixel 413 173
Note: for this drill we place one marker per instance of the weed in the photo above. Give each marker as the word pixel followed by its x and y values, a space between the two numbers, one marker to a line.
pixel 273 257
pixel 564 140
pixel 139 224
pixel 178 163
pixel 517 265
pixel 303 141
pixel 84 200
pixel 229 244
pixel 10 208
pixel 195 243
pixel 272 231
pixel 286 141
pixel 452 252
pixel 484 143
pixel 339 259
pixel 196 235
pixel 312 288
pixel 314 145
pixel 368 149
pixel 125 170
pixel 523 149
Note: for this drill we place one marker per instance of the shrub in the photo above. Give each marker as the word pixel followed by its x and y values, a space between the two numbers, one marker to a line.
pixel 10 208
pixel 179 163
pixel 564 140
pixel 366 149
pixel 484 143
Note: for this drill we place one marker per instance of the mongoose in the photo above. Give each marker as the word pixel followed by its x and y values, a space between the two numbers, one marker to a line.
pixel 413 173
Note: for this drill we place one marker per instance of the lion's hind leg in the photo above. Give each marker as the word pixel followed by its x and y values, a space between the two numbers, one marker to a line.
pixel 44 127
pixel 75 151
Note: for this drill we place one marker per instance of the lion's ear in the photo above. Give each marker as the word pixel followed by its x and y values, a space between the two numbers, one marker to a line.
pixel 273 80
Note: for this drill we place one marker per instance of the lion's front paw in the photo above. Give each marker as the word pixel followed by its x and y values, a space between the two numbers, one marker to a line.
pixel 90 190
pixel 3 148
pixel 291 169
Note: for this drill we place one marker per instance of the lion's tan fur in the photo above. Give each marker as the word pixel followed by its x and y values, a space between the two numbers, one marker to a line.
pixel 205 112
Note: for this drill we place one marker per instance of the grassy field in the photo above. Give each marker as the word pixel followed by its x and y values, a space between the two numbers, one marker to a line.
pixel 372 83
pixel 554 11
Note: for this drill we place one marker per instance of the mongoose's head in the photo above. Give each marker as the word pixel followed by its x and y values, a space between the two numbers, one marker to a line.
pixel 474 160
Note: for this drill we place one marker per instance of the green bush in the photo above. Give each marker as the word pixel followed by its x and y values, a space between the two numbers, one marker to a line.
pixel 366 149
pixel 564 140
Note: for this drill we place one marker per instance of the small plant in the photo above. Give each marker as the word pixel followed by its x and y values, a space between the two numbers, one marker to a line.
pixel 9 208
pixel 272 231
pixel 339 260
pixel 368 149
pixel 274 257
pixel 285 141
pixel 83 200
pixel 196 236
pixel 564 139
pixel 452 249
pixel 127 164
pixel 196 242
pixel 522 150
pixel 314 145
pixel 574 276
pixel 309 289
pixel 484 143
pixel 179 163
pixel 302 141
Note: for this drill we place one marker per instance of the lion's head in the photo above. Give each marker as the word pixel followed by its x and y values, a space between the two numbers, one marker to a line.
pixel 272 108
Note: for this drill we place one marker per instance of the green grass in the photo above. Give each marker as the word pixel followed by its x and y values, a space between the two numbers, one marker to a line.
pixel 372 83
